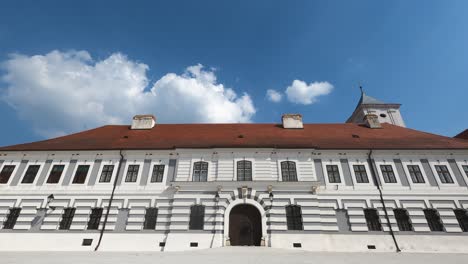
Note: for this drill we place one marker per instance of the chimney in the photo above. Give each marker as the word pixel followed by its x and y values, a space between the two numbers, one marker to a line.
pixel 372 121
pixel 143 122
pixel 293 121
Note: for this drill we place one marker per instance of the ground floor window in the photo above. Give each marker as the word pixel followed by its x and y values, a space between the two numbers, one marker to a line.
pixel 462 218
pixel 372 219
pixel 433 220
pixel 294 217
pixel 403 220
pixel 197 217
pixel 67 218
pixel 11 218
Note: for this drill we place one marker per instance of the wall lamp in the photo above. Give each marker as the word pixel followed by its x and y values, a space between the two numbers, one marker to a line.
pixel 271 196
pixel 50 198
pixel 217 197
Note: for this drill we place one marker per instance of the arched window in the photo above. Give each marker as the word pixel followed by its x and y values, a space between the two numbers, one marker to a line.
pixel 244 170
pixel 197 217
pixel 294 217
pixel 200 171
pixel 288 171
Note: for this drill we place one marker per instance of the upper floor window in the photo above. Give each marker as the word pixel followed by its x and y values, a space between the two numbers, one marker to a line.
pixel 94 219
pixel 360 173
pixel 388 174
pixel 132 173
pixel 294 217
pixel 244 170
pixel 444 174
pixel 403 220
pixel 465 168
pixel 67 218
pixel 462 218
pixel 158 173
pixel 433 220
pixel 150 218
pixel 11 218
pixel 372 219
pixel 80 174
pixel 333 174
pixel 415 173
pixel 106 174
pixel 6 172
pixel 197 217
pixel 200 171
pixel 55 173
pixel 30 174
pixel 288 171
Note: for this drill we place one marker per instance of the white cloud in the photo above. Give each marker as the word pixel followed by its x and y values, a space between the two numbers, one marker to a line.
pixel 274 96
pixel 300 92
pixel 63 92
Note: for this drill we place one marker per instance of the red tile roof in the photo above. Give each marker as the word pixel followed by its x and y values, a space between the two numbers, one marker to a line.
pixel 319 136
pixel 462 135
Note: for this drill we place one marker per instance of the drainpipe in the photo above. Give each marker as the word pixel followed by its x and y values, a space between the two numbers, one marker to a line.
pixel 110 201
pixel 377 183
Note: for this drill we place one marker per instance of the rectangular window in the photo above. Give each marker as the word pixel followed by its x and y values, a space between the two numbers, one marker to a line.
pixel 80 174
pixel 244 170
pixel 6 172
pixel 11 218
pixel 465 168
pixel 444 174
pixel 433 220
pixel 294 217
pixel 158 173
pixel 197 217
pixel 415 173
pixel 150 218
pixel 200 171
pixel 94 219
pixel 30 174
pixel 288 171
pixel 333 174
pixel 388 174
pixel 403 220
pixel 106 174
pixel 67 218
pixel 372 219
pixel 360 173
pixel 55 174
pixel 462 218
pixel 132 173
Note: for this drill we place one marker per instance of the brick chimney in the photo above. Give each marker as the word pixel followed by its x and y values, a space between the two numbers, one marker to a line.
pixel 372 121
pixel 143 122
pixel 292 121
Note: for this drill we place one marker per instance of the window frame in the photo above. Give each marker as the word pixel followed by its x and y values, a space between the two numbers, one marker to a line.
pixel 41 166
pixel 378 170
pixel 12 175
pixel 288 161
pixel 392 170
pixel 146 220
pixel 85 182
pixel 327 166
pixel 437 214
pixel 433 165
pixel 420 171
pixel 67 225
pixel 193 225
pixel 449 179
pixel 52 165
pixel 408 225
pixel 462 221
pixel 192 173
pixel 364 163
pixel 101 168
pixel 236 169
pixel 138 175
pixel 360 171
pixel 294 217
pixel 371 226
pixel 408 161
pixel 78 163
pixel 163 176
pixel 11 222
pixel 90 218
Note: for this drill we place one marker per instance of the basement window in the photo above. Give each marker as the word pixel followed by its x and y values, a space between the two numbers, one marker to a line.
pixel 87 242
pixel 193 244
pixel 297 245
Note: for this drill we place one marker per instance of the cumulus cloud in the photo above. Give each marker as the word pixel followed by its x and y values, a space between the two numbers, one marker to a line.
pixel 274 96
pixel 63 92
pixel 300 92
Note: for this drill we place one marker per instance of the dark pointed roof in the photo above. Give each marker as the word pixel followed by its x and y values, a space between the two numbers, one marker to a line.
pixel 366 100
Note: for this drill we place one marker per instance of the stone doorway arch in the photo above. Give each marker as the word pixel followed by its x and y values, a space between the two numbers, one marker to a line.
pixel 245 226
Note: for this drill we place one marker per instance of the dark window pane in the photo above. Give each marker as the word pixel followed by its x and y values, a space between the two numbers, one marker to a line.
pixel 30 174
pixel 333 174
pixel 200 171
pixel 388 174
pixel 132 173
pixel 288 171
pixel 360 173
pixel 415 173
pixel 94 218
pixel 67 218
pixel 433 220
pixel 158 173
pixel 403 220
pixel 197 217
pixel 150 218
pixel 462 218
pixel 444 174
pixel 6 172
pixel 465 168
pixel 294 217
pixel 80 174
pixel 372 219
pixel 11 218
pixel 106 174
pixel 55 174
pixel 244 170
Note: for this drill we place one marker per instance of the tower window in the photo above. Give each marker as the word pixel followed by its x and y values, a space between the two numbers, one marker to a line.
pixel 106 174
pixel 444 174
pixel 55 174
pixel 415 173
pixel 94 218
pixel 388 174
pixel 150 218
pixel 67 218
pixel 200 171
pixel 403 220
pixel 383 115
pixel 433 220
pixel 11 218
pixel 244 170
pixel 158 173
pixel 31 173
pixel 294 217
pixel 6 173
pixel 333 174
pixel 288 171
pixel 372 219
pixel 132 173
pixel 462 218
pixel 197 217
pixel 360 173
pixel 80 174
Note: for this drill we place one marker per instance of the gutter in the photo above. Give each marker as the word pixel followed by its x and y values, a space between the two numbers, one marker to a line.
pixel 110 201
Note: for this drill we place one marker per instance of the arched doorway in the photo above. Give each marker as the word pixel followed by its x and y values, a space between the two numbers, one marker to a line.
pixel 245 226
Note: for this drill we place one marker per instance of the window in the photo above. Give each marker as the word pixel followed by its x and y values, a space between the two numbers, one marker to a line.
pixel 150 218
pixel 462 217
pixel 333 174
pixel 403 220
pixel 244 170
pixel 200 171
pixel 197 217
pixel 106 174
pixel 465 168
pixel 415 173
pixel 11 218
pixel 294 217
pixel 360 173
pixel 372 219
pixel 444 174
pixel 158 173
pixel 132 173
pixel 80 174
pixel 30 174
pixel 67 218
pixel 388 174
pixel 433 220
pixel 55 174
pixel 95 219
pixel 288 171
pixel 6 173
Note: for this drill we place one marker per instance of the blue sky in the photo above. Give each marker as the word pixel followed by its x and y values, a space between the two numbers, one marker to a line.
pixel 409 52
